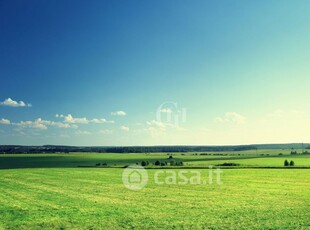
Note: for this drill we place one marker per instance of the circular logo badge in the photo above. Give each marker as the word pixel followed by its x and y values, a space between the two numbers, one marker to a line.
pixel 135 177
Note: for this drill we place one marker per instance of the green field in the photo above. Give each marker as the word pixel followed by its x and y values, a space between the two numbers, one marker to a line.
pixel 302 161
pixel 61 160
pixel 51 192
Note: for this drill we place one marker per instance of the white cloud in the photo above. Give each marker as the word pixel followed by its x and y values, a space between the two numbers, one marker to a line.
pixel 105 131
pixel 80 133
pixel 5 121
pixel 166 110
pixel 83 120
pixel 124 128
pixel 100 121
pixel 63 125
pixel 157 128
pixel 72 120
pixel 43 124
pixel 157 124
pixel 12 103
pixel 118 113
pixel 37 124
pixel 231 117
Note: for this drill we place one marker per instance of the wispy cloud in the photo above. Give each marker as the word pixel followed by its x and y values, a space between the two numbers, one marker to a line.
pixel 82 133
pixel 12 103
pixel 100 121
pixel 5 121
pixel 43 124
pixel 105 131
pixel 124 128
pixel 231 117
pixel 166 110
pixel 118 113
pixel 37 124
pixel 156 125
pixel 70 119
pixel 82 120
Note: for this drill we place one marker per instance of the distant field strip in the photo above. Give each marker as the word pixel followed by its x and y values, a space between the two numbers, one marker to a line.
pixel 73 160
pixel 257 161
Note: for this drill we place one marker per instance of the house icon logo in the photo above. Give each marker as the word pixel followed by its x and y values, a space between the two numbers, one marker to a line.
pixel 135 177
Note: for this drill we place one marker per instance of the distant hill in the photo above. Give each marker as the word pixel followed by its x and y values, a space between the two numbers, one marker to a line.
pixel 11 149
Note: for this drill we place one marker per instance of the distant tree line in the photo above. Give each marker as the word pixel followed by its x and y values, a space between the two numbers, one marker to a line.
pixel 16 149
pixel 295 152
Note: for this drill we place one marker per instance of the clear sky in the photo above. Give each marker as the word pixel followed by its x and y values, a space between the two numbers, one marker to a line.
pixel 158 72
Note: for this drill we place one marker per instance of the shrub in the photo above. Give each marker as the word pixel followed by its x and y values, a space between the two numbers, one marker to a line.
pixel 143 164
pixel 228 164
pixel 286 163
pixel 157 163
pixel 292 163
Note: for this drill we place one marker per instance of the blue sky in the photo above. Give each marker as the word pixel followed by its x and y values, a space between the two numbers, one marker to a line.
pixel 239 69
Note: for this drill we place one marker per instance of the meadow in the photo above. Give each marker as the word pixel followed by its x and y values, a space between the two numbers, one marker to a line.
pixel 51 192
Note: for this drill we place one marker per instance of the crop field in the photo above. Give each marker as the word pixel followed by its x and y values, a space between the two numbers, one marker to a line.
pixel 52 192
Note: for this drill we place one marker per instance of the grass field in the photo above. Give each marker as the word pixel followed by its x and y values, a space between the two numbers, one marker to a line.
pixel 96 198
pixel 51 192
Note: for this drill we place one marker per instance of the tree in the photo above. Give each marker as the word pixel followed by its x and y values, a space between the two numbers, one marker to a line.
pixel 157 163
pixel 286 163
pixel 170 157
pixel 292 163
pixel 143 164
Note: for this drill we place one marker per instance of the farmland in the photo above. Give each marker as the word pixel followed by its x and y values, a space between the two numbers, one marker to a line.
pixel 69 160
pixel 51 191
